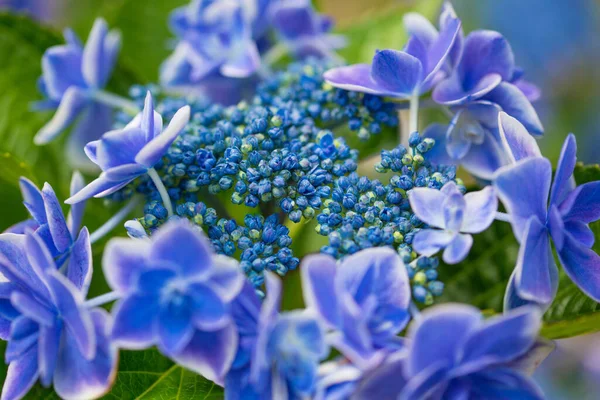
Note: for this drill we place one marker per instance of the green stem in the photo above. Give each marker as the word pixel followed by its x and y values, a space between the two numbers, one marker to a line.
pixel 162 190
pixel 115 101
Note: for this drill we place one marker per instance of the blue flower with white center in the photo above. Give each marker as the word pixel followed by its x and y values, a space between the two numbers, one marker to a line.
pixel 407 73
pixel 279 353
pixel 304 31
pixel 47 219
pixel 127 153
pixel 54 336
pixel 214 36
pixel 175 294
pixel 541 209
pixel 364 300
pixel 455 216
pixel 72 76
pixel 453 353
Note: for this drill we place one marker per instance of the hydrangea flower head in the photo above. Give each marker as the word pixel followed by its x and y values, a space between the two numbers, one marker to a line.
pixel 364 300
pixel 541 209
pixel 454 353
pixel 303 30
pixel 53 336
pixel 175 294
pixel 71 74
pixel 403 73
pixel 127 153
pixel 214 36
pixel 455 216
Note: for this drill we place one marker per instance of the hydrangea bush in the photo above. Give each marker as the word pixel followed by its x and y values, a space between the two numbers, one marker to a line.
pixel 258 139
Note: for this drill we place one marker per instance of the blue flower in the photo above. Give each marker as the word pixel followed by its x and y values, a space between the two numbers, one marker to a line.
pixel 455 216
pixel 175 294
pixel 364 300
pixel 71 76
pixel 303 30
pixel 125 154
pixel 48 220
pixel 279 353
pixel 214 36
pixel 407 73
pixel 541 209
pixel 54 336
pixel 487 71
pixel 454 354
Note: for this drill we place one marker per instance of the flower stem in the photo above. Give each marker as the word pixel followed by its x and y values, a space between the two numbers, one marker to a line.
pixel 102 299
pixel 114 220
pixel 274 54
pixel 413 124
pixel 116 101
pixel 500 216
pixel 162 190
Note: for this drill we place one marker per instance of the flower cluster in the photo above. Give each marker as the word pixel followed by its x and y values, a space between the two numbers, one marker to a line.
pixel 226 190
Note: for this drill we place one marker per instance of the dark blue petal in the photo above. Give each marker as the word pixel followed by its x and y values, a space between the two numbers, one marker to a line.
pixel 514 103
pixel 135 321
pixel 563 179
pixel 79 269
pixel 48 342
pixel 505 384
pixel 396 71
pixel 582 204
pixel 582 265
pixel 21 375
pixel 32 197
pixel 56 219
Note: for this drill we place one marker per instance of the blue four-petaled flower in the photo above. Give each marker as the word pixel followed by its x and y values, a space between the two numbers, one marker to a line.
pixel 454 216
pixel 175 294
pixel 541 209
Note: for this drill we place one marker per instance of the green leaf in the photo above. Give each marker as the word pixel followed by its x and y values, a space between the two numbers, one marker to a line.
pixel 147 375
pixel 382 30
pixel 482 278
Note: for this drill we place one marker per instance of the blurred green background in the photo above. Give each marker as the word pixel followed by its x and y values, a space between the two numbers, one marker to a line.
pixel 556 41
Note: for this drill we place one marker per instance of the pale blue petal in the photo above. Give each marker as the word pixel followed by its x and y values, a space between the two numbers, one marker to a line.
pixel 75 216
pixel 480 210
pixel 523 189
pixel 244 63
pixel 517 142
pixel 79 269
pixel 71 104
pixel 32 197
pixel 92 64
pixel 427 242
pixel 426 203
pixel 458 249
pixel 318 274
pixel 56 220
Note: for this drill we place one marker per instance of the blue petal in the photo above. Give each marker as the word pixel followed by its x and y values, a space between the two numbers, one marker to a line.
pixel 582 265
pixel 396 71
pixel 427 242
pixel 523 189
pixel 21 375
pixel 485 53
pixel 458 249
pixel 480 210
pixel 318 274
pixel 581 232
pixel 438 154
pixel 535 263
pixel 153 151
pixel 501 339
pixel 563 181
pixel 582 204
pixel 419 26
pixel 175 328
pixel 71 104
pixel 460 134
pixel 245 62
pixel 38 255
pixel 514 102
pixel 517 142
pixel 453 207
pixel 56 220
pixel 512 299
pixel 95 188
pixel 451 92
pixel 503 383
pixel 437 334
pixel 120 147
pixel 209 312
pixel 484 159
pixel 92 64
pixel 32 197
pixel 185 246
pixel 135 319
pixel 439 50
pixel 357 78
pixel 79 269
pixel 210 354
pixel 76 377
pixel 61 70
pixel 226 277
pixel 33 309
pixel 428 384
pixel 123 173
pixel 425 203
pixel 155 280
pixel 294 20
pixel 15 266
pixel 75 316
pixel 384 382
pixel 147 117
pixel 48 342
